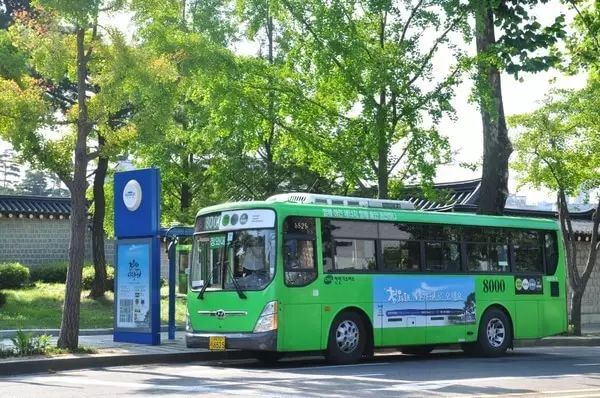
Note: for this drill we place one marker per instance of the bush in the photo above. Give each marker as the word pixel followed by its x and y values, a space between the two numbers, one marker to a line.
pixel 50 273
pixel 2 299
pixel 88 277
pixel 13 275
pixel 26 344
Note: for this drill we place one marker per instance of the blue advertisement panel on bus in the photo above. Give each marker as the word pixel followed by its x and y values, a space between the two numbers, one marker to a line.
pixel 413 301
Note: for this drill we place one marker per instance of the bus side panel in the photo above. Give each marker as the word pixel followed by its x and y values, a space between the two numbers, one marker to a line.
pixel 300 327
pixel 555 321
pixel 528 319
pixel 554 308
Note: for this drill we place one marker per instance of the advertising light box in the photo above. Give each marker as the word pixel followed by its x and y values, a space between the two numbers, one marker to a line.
pixel 136 291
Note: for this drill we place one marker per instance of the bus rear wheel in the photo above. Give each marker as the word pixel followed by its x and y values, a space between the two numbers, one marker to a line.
pixel 495 333
pixel 347 339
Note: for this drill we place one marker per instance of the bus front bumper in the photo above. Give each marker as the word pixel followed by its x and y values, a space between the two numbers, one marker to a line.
pixel 264 341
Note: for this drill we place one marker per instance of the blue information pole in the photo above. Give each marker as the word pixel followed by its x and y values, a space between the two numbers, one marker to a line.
pixel 137 271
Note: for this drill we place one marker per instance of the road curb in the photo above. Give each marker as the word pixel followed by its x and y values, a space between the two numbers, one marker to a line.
pixel 8 334
pixel 572 341
pixel 51 365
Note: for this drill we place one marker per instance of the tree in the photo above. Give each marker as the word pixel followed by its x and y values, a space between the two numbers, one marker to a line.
pixel 10 171
pixel 171 111
pixel 361 78
pixel 519 48
pixel 56 187
pixel 558 150
pixel 60 87
pixel 34 183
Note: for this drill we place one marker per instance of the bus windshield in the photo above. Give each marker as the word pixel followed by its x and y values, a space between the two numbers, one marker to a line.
pixel 246 255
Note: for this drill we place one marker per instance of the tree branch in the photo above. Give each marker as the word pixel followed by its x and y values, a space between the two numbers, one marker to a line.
pixel 433 50
pixel 565 225
pixel 409 20
pixel 88 54
pixel 399 158
pixel 591 32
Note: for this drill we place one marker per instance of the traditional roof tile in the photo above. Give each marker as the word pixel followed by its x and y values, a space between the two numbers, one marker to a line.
pixel 34 205
pixel 463 196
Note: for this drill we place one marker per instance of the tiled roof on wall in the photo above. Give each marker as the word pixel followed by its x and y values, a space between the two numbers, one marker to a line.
pixel 463 196
pixel 34 205
pixel 450 194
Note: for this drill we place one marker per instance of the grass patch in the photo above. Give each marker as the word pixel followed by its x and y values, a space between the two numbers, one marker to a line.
pixel 40 307
pixel 79 350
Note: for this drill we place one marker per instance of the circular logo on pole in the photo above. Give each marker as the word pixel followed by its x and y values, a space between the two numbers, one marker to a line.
pixel 132 195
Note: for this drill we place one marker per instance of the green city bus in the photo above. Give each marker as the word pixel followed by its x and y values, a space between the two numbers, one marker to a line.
pixel 345 276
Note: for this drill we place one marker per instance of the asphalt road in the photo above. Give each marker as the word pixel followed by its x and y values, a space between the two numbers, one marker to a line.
pixel 549 371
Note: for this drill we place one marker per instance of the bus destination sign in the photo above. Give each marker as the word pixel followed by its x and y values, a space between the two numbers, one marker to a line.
pixel 234 220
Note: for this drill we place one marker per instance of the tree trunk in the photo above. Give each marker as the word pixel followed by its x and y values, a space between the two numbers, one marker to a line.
pixel 99 283
pixel 69 328
pixel 496 145
pixel 383 146
pixel 575 310
pixel 272 177
pixel 186 190
pixel 382 150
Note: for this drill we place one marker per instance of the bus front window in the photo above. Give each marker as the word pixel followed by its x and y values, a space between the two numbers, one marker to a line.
pixel 246 255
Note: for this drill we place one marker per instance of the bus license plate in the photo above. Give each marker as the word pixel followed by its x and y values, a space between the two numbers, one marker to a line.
pixel 216 343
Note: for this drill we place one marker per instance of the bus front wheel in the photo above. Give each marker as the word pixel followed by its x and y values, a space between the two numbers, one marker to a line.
pixel 495 333
pixel 347 339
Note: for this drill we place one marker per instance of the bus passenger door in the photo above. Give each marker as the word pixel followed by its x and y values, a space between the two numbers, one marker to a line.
pixel 301 302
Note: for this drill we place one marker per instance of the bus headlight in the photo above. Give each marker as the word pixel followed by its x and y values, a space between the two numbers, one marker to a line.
pixel 267 319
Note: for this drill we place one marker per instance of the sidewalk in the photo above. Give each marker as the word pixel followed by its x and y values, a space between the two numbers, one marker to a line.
pixel 110 353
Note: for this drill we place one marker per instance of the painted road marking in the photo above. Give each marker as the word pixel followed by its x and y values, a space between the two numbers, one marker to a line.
pixel 587 364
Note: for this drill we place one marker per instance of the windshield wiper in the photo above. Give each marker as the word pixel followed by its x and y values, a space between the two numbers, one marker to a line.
pixel 201 292
pixel 239 290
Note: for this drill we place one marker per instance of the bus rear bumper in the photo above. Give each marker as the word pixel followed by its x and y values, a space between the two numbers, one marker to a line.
pixel 264 341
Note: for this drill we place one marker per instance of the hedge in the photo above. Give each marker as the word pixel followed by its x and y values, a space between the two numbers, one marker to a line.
pixel 50 273
pixel 88 277
pixel 13 275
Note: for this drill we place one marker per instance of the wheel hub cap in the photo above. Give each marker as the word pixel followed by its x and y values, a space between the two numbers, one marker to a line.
pixel 496 332
pixel 346 336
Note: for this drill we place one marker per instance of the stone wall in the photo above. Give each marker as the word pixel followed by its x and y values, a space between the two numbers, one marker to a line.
pixel 590 307
pixel 34 242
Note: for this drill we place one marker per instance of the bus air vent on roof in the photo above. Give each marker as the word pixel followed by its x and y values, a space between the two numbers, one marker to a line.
pixel 311 198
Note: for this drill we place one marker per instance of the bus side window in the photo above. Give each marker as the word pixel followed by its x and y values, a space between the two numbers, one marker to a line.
pixel 550 252
pixel 299 251
pixel 527 251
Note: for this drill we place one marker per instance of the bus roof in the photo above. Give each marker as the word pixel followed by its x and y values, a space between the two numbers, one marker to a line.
pixel 375 214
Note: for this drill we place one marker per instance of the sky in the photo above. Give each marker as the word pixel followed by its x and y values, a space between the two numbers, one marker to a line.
pixel 465 133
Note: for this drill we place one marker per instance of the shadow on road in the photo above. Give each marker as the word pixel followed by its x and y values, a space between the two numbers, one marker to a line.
pixel 445 372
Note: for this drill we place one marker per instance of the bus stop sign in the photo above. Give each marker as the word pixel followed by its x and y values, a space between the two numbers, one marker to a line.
pixel 137 269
